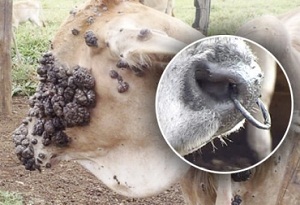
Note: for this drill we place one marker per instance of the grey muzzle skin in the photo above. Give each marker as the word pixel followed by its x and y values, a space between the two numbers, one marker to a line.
pixel 207 92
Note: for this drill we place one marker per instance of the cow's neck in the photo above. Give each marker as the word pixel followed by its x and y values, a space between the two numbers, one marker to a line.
pixel 132 171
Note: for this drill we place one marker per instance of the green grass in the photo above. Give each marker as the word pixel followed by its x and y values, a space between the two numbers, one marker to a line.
pixel 10 198
pixel 226 17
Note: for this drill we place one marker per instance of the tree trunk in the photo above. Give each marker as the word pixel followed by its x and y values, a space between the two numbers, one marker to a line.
pixel 5 57
pixel 204 15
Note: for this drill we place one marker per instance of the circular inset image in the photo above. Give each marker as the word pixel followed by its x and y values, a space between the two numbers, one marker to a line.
pixel 224 104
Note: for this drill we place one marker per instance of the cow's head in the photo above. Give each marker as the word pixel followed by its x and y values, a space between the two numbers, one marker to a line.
pixel 206 91
pixel 96 100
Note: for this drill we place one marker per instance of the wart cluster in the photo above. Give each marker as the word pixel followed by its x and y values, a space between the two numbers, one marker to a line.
pixel 63 99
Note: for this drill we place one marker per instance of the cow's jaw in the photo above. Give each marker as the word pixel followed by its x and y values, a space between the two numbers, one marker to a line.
pixel 135 173
pixel 132 169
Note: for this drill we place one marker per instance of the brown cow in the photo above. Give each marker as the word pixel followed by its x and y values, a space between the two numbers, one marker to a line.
pixel 165 6
pixel 120 143
pixel 89 110
pixel 27 10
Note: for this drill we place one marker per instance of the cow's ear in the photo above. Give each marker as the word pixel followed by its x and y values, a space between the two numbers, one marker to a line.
pixel 141 49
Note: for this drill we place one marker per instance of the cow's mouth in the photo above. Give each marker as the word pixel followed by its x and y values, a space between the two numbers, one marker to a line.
pixel 63 99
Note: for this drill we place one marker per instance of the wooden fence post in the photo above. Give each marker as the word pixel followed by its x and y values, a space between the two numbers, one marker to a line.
pixel 5 57
pixel 204 15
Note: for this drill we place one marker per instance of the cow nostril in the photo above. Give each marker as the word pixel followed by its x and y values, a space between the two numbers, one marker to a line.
pixel 218 91
pixel 233 89
pixel 217 83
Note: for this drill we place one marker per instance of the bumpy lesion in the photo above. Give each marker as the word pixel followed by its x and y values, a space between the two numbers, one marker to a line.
pixel 63 99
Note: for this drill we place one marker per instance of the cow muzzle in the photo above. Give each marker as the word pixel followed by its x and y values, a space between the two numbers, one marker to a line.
pixel 238 87
pixel 232 84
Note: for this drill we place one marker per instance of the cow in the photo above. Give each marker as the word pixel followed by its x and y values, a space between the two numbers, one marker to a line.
pixel 26 10
pixel 165 6
pixel 202 9
pixel 121 53
pixel 95 105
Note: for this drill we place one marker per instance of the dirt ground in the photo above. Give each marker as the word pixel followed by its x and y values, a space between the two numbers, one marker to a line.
pixel 66 183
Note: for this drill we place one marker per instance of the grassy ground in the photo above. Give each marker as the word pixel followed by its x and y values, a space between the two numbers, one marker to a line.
pixel 9 198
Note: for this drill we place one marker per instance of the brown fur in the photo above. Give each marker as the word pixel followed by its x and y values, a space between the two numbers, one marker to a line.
pixel 122 138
